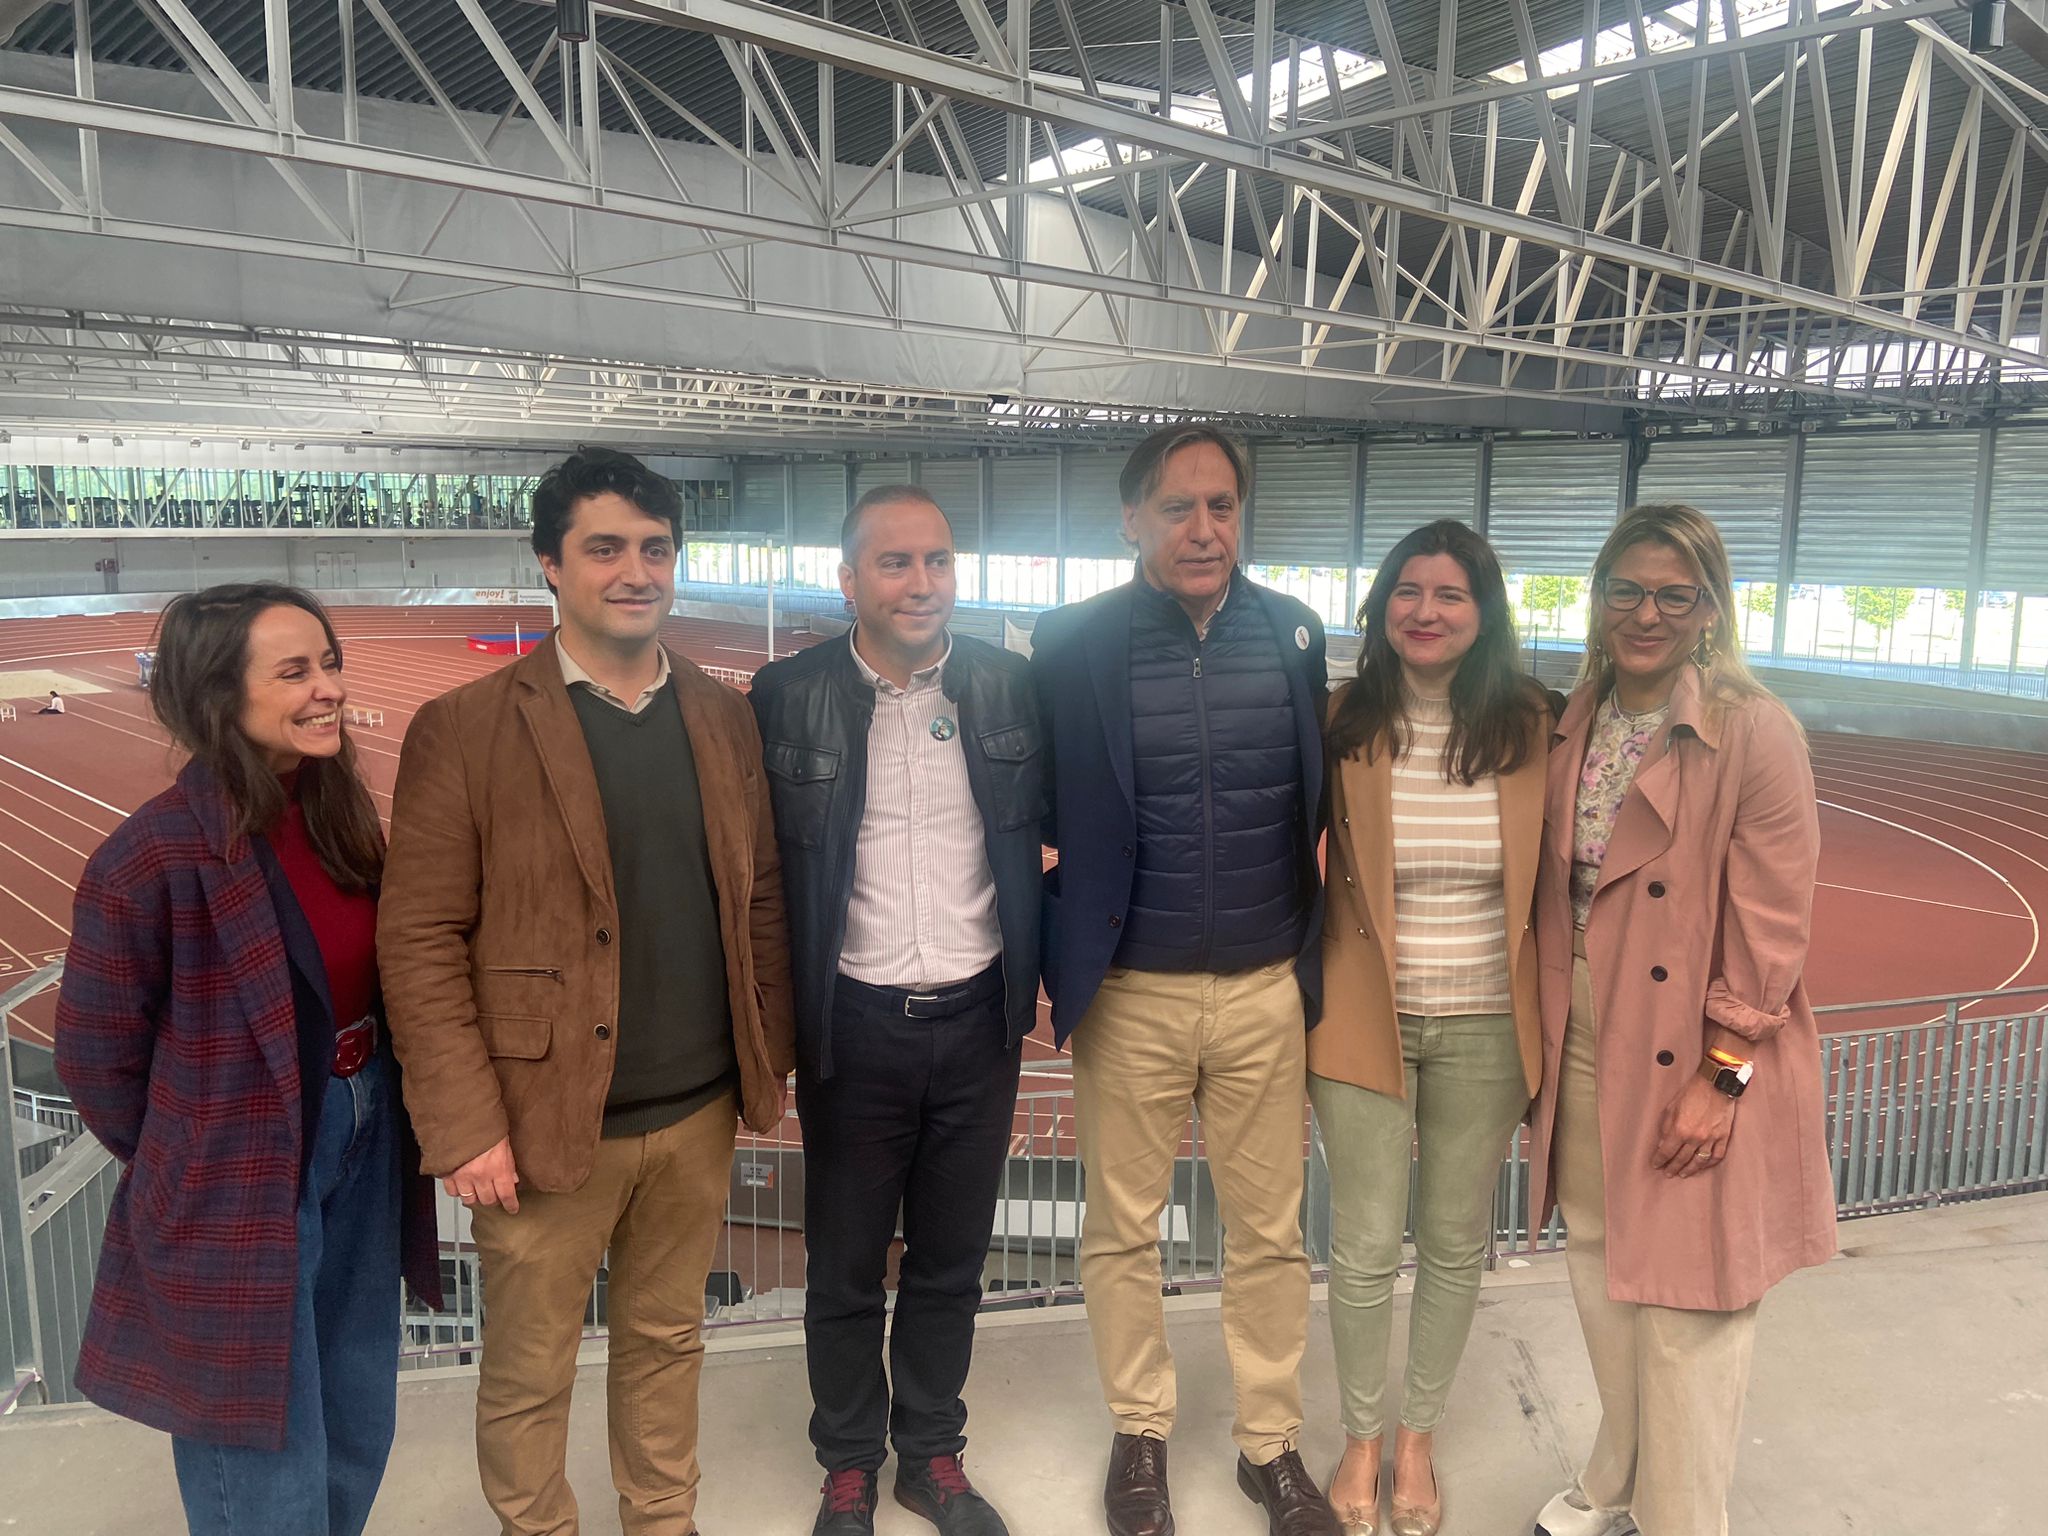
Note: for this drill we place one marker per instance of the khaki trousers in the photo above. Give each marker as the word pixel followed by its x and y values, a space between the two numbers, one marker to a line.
pixel 657 1204
pixel 1151 1042
pixel 1671 1380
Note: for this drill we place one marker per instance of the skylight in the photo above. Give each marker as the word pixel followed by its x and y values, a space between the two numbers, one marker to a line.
pixel 1206 111
pixel 1671 29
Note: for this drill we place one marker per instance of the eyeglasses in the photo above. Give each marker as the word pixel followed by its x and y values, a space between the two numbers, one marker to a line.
pixel 1627 596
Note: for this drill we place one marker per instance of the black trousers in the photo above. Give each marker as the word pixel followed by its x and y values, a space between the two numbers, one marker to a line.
pixel 916 1116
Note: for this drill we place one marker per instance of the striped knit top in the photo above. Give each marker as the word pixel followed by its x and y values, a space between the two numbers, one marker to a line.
pixel 1450 917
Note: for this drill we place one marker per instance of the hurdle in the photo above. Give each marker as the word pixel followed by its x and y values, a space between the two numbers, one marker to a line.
pixel 6 713
pixel 356 716
pixel 733 676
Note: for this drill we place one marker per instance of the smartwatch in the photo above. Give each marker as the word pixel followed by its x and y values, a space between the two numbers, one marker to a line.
pixel 1729 1074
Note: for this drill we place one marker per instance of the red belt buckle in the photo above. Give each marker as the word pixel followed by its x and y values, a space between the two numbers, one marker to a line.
pixel 354 1046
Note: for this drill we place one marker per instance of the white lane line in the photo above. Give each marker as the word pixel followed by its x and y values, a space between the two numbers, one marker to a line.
pixel 83 708
pixel 2033 918
pixel 62 883
pixel 2006 781
pixel 100 832
pixel 24 959
pixel 39 912
pixel 1947 796
pixel 108 650
pixel 60 784
pixel 1925 901
pixel 46 836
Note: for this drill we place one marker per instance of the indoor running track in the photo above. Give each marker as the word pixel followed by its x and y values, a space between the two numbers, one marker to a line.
pixel 1934 870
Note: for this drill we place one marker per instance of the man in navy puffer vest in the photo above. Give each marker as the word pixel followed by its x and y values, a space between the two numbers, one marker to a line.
pixel 1181 948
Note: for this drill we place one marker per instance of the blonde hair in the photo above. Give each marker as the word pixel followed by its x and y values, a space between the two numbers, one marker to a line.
pixel 1725 676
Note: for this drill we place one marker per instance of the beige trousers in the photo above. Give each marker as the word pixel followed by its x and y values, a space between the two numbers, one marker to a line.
pixel 1234 1045
pixel 1671 1380
pixel 657 1204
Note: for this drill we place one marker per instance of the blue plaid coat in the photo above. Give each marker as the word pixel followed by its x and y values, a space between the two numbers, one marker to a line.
pixel 177 1037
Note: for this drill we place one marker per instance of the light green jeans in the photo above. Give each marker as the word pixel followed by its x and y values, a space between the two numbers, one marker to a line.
pixel 1466 1093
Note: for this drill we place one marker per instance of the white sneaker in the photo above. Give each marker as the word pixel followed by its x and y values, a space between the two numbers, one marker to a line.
pixel 1569 1514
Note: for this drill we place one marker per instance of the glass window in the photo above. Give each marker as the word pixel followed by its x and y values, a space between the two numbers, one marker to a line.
pixel 708 560
pixel 1320 586
pixel 1551 611
pixel 2030 652
pixel 1022 581
pixel 1912 633
pixel 751 564
pixel 1756 612
pixel 1998 633
pixel 815 566
pixel 1086 576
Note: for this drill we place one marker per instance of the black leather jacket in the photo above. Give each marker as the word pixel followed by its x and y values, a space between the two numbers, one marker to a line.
pixel 814 709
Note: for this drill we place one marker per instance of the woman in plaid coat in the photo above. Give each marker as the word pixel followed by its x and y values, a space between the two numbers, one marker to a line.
pixel 218 1031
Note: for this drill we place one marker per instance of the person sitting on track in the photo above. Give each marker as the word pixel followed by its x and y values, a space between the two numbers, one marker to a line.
pixel 55 706
pixel 247 1299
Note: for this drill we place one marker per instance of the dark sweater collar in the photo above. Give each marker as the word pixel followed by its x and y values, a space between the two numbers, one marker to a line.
pixel 1156 604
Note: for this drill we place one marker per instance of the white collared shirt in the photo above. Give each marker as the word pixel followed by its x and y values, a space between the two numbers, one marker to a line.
pixel 574 673
pixel 922 911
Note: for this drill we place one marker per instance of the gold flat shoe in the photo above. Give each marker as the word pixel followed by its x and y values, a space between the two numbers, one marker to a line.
pixel 1413 1520
pixel 1354 1519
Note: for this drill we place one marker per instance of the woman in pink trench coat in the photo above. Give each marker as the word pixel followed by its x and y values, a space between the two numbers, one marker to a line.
pixel 1680 1123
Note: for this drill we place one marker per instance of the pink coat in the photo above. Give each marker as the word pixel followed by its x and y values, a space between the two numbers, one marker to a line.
pixel 1702 914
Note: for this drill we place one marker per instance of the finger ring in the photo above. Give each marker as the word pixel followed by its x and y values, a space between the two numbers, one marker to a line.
pixel 1703 1154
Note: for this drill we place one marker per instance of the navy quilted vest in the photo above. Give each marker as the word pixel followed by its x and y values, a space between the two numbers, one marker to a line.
pixel 1217 766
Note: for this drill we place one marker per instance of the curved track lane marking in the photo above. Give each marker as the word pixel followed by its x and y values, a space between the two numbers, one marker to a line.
pixel 1925 901
pixel 2033 917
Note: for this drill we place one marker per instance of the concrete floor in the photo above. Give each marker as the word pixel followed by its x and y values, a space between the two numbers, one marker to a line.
pixel 1901 1389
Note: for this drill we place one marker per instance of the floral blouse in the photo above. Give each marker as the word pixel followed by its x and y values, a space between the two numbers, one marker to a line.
pixel 1614 750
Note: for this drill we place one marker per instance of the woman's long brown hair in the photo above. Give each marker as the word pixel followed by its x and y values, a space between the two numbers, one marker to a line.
pixel 197 690
pixel 1496 707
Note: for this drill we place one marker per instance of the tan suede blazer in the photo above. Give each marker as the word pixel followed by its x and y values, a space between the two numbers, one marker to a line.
pixel 495 928
pixel 1359 1039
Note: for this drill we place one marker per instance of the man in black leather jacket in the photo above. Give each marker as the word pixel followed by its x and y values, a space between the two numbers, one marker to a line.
pixel 905 768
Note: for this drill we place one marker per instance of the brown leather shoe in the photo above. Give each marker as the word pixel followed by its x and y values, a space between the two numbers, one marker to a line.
pixel 1135 1497
pixel 1294 1505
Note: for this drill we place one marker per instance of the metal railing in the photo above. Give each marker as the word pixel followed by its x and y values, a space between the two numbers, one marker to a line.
pixel 21 1343
pixel 1948 1108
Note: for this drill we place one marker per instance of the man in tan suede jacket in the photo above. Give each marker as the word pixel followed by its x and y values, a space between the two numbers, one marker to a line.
pixel 586 971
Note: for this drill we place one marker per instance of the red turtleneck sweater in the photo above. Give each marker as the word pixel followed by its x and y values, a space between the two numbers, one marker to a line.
pixel 343 922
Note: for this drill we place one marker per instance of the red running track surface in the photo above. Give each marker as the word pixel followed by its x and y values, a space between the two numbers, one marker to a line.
pixel 1934 870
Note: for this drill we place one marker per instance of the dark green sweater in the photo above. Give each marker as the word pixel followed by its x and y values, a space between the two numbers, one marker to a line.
pixel 673 1046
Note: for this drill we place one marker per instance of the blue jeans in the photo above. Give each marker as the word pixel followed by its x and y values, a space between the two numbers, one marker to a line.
pixel 343 1406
